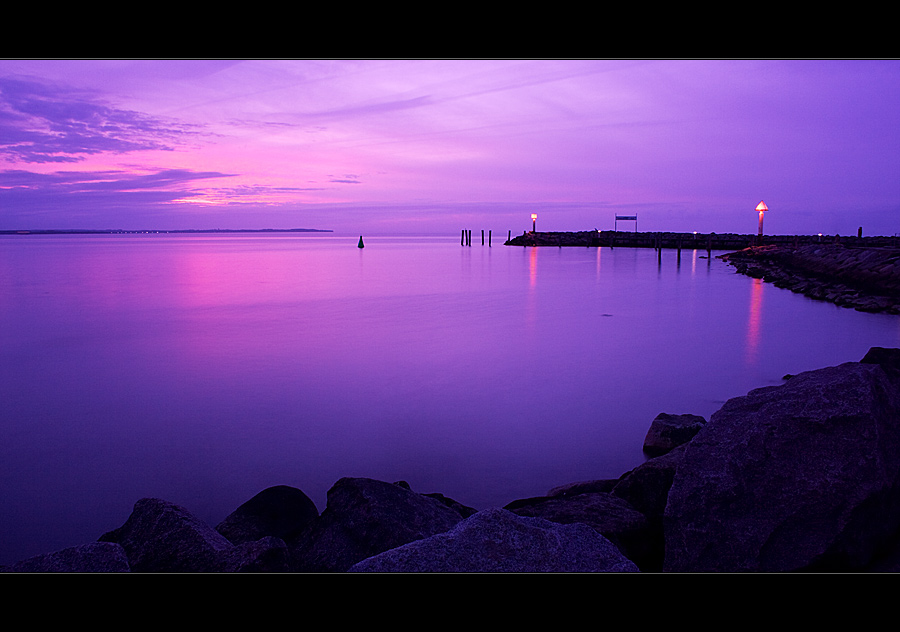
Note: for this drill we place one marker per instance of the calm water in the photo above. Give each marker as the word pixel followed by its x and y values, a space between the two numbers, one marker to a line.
pixel 202 369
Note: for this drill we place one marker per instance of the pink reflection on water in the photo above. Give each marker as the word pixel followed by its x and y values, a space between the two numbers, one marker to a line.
pixel 754 322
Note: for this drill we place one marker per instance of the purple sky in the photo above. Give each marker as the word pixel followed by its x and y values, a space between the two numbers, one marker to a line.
pixel 434 146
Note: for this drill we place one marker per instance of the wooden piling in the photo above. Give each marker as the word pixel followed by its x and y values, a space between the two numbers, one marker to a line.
pixel 482 236
pixel 462 237
pixel 489 239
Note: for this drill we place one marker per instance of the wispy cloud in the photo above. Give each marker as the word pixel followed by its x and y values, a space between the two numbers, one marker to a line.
pixel 47 123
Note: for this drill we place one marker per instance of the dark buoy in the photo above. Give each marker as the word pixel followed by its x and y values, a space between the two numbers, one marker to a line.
pixel 361 245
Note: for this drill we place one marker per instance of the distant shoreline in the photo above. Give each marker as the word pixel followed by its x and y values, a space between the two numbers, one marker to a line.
pixel 86 231
pixel 76 231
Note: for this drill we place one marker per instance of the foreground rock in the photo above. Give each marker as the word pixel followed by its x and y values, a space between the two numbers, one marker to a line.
pixel 97 557
pixel 667 432
pixel 799 477
pixel 803 476
pixel 610 516
pixel 365 517
pixel 278 511
pixel 162 537
pixel 498 541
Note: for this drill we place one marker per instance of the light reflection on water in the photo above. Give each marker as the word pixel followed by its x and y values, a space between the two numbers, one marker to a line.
pixel 202 369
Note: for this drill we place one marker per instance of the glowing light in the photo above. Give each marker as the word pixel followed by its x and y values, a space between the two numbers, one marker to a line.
pixel 533 221
pixel 762 208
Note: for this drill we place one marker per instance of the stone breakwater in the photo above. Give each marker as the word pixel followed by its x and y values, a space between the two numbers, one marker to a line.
pixel 863 278
pixel 803 476
pixel 689 241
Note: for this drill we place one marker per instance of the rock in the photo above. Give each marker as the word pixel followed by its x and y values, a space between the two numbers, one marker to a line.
pixel 96 557
pixel 802 476
pixel 862 278
pixel 277 511
pixel 646 487
pixel 266 555
pixel 459 508
pixel 160 536
pixel 608 515
pixel 670 431
pixel 498 541
pixel 583 487
pixel 887 359
pixel 365 517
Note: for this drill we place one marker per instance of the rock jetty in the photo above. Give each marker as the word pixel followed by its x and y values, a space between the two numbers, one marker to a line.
pixel 799 477
pixel 864 278
pixel 689 241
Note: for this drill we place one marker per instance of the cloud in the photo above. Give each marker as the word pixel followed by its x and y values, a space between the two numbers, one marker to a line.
pixel 27 197
pixel 45 123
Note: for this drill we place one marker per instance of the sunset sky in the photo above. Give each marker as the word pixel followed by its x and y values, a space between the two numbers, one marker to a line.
pixel 437 145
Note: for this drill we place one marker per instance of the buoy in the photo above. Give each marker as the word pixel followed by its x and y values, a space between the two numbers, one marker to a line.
pixel 360 242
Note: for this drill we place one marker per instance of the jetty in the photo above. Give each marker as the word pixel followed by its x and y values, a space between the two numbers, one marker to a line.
pixel 689 240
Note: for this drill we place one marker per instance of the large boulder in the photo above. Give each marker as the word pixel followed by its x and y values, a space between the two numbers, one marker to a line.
pixel 646 487
pixel 96 557
pixel 801 476
pixel 277 511
pixel 498 541
pixel 160 536
pixel 608 515
pixel 365 517
pixel 667 432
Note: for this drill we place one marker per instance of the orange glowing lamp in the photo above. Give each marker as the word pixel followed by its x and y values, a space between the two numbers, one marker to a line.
pixel 762 208
pixel 533 221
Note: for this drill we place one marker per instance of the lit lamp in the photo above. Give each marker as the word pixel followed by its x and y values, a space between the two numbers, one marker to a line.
pixel 762 208
pixel 533 221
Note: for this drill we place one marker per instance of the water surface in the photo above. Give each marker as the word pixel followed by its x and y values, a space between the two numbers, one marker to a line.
pixel 203 368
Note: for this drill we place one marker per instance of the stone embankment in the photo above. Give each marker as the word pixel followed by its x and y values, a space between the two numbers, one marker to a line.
pixel 803 476
pixel 691 241
pixel 863 278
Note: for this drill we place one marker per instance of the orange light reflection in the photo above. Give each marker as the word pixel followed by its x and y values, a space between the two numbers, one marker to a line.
pixel 753 326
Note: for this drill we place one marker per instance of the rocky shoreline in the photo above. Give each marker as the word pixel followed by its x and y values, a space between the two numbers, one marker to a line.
pixel 800 477
pixel 862 278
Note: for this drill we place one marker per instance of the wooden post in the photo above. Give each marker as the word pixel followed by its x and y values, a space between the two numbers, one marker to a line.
pixel 489 239
pixel 462 237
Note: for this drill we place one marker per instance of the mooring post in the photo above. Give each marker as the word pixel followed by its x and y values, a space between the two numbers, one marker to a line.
pixel 482 236
pixel 489 239
pixel 462 237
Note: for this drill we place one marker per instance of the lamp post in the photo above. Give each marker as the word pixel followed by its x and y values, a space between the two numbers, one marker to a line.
pixel 533 221
pixel 762 208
